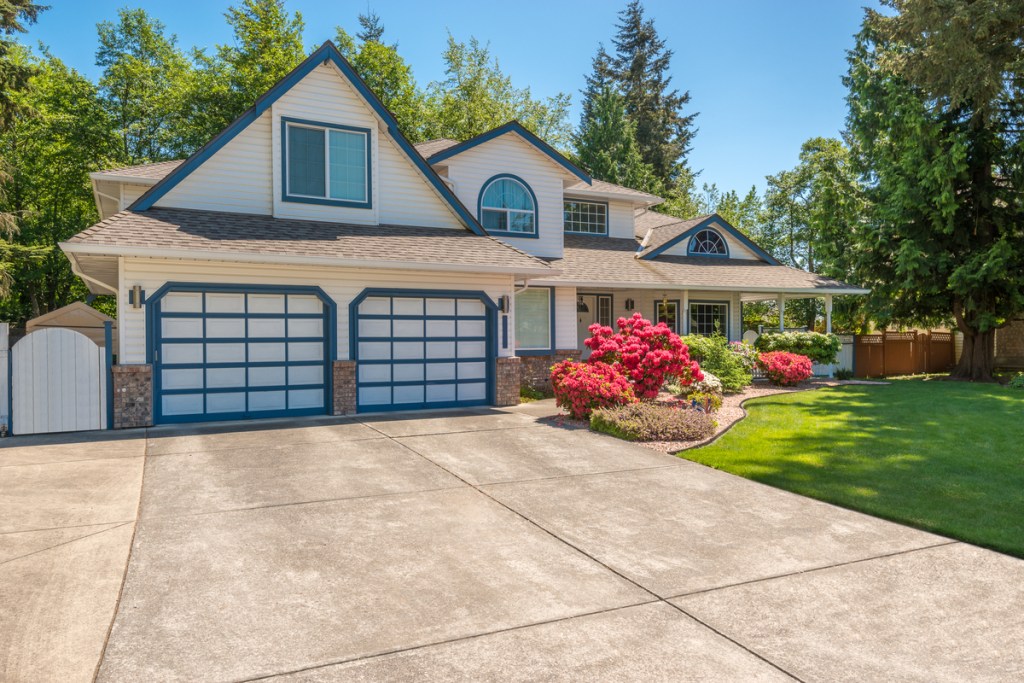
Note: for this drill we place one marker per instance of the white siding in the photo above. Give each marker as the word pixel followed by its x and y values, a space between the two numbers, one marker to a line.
pixel 341 285
pixel 620 220
pixel 400 196
pixel 737 249
pixel 236 178
pixel 130 192
pixel 565 318
pixel 511 154
pixel 644 301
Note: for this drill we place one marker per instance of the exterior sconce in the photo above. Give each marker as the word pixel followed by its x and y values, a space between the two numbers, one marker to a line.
pixel 504 303
pixel 136 296
pixel 629 304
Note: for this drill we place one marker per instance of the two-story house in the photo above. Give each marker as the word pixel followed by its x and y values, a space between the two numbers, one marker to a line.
pixel 310 260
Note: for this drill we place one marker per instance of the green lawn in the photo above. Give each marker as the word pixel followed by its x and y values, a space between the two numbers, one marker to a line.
pixel 947 457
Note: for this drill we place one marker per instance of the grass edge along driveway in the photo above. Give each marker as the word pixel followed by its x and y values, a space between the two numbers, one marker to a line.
pixel 946 457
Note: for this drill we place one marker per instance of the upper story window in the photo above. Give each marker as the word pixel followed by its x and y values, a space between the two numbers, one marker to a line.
pixel 586 218
pixel 507 204
pixel 326 164
pixel 708 242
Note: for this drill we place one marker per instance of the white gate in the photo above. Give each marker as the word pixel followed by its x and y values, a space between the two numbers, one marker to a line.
pixel 58 383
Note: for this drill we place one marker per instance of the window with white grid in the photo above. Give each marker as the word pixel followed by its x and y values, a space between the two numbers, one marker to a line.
pixel 586 218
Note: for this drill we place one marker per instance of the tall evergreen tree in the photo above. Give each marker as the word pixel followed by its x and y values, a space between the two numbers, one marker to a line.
pixel 640 67
pixel 936 113
pixel 385 72
pixel 15 16
pixel 606 144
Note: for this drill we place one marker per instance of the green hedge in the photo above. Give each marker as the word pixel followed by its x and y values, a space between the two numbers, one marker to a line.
pixel 713 355
pixel 820 348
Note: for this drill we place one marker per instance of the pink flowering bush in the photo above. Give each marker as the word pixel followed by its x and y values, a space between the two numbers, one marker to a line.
pixel 784 368
pixel 646 354
pixel 582 388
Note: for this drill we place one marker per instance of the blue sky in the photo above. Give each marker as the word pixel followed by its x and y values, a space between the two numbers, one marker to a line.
pixel 764 74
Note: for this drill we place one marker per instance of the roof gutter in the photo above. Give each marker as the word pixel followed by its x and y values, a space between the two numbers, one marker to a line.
pixel 72 248
pixel 699 288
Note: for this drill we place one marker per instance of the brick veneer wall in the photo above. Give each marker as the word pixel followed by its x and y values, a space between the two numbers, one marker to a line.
pixel 133 396
pixel 508 381
pixel 344 387
pixel 536 370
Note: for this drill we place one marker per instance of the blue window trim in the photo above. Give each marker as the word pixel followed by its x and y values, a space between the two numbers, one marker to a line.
pixel 679 312
pixel 690 245
pixel 508 233
pixel 325 200
pixel 108 373
pixel 326 52
pixel 329 315
pixel 719 302
pixel 724 225
pixel 519 129
pixel 607 218
pixel 551 339
pixel 491 343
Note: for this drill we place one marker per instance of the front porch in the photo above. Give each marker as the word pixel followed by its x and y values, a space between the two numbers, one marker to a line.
pixel 569 312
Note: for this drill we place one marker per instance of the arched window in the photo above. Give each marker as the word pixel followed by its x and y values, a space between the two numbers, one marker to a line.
pixel 708 242
pixel 507 205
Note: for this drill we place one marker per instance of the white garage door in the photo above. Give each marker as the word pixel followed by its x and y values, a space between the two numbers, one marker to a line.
pixel 226 355
pixel 423 352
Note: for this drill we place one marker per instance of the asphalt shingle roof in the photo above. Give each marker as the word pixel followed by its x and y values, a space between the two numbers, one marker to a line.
pixel 212 231
pixel 431 147
pixel 154 171
pixel 610 188
pixel 662 227
pixel 603 259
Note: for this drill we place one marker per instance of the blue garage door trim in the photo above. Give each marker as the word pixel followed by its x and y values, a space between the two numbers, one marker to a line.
pixel 377 374
pixel 198 395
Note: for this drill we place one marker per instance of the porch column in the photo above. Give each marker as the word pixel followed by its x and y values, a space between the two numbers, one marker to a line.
pixel 684 323
pixel 782 313
pixel 828 314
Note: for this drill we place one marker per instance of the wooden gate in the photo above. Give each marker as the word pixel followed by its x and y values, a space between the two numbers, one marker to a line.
pixel 58 383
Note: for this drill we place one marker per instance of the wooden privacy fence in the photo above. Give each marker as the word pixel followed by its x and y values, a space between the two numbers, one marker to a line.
pixel 902 353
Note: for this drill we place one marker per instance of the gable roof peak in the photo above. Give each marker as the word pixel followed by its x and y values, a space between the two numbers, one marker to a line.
pixel 326 53
pixel 522 131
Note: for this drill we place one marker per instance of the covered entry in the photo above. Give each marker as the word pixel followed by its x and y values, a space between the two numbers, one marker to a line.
pixel 239 352
pixel 422 349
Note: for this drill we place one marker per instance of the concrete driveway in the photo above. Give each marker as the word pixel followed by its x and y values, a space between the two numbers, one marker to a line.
pixel 473 545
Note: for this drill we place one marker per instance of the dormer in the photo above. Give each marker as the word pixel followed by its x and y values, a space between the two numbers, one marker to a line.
pixel 528 194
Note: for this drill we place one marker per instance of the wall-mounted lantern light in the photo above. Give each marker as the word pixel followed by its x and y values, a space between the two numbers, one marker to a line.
pixel 629 304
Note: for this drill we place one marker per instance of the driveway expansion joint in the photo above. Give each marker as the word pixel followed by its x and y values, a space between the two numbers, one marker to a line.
pixel 812 570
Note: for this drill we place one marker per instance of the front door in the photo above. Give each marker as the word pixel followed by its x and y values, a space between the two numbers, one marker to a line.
pixel 590 309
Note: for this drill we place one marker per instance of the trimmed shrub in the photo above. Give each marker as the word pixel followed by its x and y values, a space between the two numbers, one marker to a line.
pixel 746 352
pixel 653 422
pixel 709 385
pixel 581 388
pixel 714 356
pixel 644 353
pixel 785 369
pixel 844 373
pixel 820 348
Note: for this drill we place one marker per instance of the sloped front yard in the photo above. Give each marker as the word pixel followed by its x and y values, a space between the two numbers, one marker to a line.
pixel 947 457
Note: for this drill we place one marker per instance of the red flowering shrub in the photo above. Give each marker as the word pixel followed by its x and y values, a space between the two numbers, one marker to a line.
pixel 645 353
pixel 582 388
pixel 784 368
